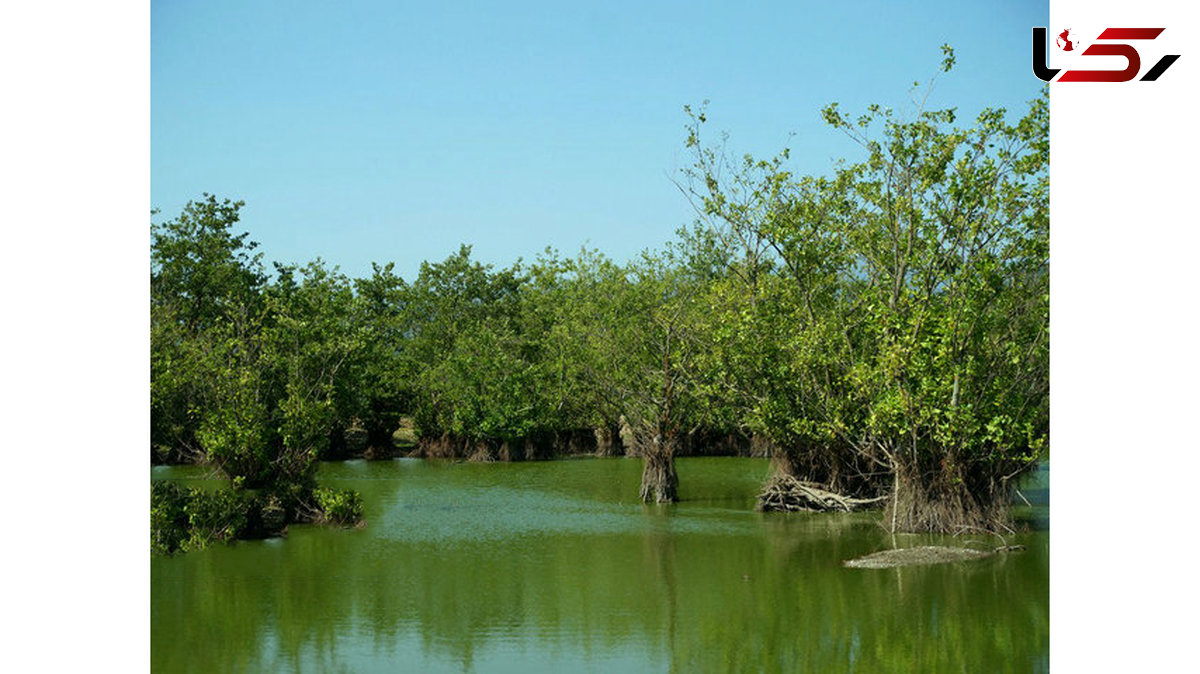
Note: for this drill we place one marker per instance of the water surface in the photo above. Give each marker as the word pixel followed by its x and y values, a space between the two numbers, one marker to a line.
pixel 555 566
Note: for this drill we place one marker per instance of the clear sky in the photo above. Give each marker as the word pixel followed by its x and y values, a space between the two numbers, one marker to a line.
pixel 393 131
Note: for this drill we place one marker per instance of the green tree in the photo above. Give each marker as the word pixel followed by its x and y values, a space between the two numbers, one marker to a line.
pixel 908 336
pixel 476 372
pixel 205 285
pixel 250 376
pixel 382 395
pixel 645 341
pixel 315 355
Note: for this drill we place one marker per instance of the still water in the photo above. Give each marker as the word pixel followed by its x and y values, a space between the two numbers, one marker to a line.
pixel 556 567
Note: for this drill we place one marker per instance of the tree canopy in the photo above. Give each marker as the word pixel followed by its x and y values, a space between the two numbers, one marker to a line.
pixel 882 329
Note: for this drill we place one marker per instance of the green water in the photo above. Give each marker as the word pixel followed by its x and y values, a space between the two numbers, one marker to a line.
pixel 555 567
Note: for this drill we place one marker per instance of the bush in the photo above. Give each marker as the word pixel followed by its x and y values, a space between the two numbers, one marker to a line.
pixel 185 519
pixel 339 506
pixel 168 516
pixel 219 516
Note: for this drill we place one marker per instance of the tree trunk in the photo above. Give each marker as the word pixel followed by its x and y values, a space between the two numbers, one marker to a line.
pixel 608 440
pixel 660 484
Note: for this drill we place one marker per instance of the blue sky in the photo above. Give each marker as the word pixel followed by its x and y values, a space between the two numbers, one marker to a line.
pixel 391 131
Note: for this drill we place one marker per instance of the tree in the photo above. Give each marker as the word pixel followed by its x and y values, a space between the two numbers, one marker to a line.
pixel 478 373
pixel 382 395
pixel 643 334
pixel 250 376
pixel 204 280
pixel 914 283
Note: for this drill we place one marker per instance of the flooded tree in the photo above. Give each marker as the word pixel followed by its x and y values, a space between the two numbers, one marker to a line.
pixel 912 349
pixel 249 375
pixel 640 358
pixel 882 330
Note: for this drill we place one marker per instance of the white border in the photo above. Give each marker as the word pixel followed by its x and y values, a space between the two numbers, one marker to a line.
pixel 1125 361
pixel 74 133
pixel 1124 353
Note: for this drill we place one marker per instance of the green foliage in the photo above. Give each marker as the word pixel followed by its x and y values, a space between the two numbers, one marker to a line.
pixel 314 348
pixel 882 325
pixel 200 268
pixel 184 519
pixel 258 377
pixel 382 395
pixel 339 506
pixel 168 517
pixel 235 431
pixel 221 515
pixel 902 320
pixel 205 287
pixel 473 356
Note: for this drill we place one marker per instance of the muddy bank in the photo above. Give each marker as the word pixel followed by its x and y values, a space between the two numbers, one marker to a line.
pixel 923 555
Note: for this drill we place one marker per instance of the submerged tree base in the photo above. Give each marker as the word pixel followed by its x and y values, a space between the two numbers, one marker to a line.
pixel 948 503
pixel 660 483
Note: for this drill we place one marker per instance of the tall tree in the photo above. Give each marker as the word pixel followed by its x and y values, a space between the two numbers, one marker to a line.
pixel 205 279
pixel 914 291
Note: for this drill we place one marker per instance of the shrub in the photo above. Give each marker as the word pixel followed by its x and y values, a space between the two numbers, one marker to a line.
pixel 339 506
pixel 168 516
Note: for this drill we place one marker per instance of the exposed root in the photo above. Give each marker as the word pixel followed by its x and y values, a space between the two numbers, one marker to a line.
pixel 787 493
pixel 947 502
pixel 482 454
